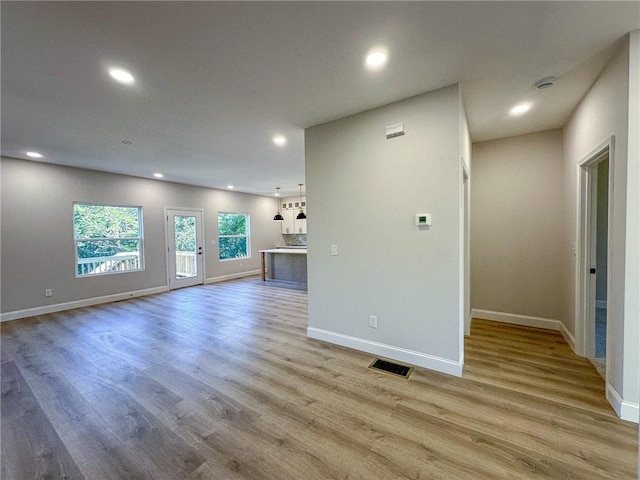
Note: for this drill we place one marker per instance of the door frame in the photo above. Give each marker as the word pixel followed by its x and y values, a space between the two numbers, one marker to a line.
pixel 585 249
pixel 199 241
pixel 465 253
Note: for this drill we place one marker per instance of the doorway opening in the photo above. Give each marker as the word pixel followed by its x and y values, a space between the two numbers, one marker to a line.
pixel 596 175
pixel 600 186
pixel 185 264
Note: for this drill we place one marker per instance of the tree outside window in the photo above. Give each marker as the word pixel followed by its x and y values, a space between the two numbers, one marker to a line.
pixel 233 235
pixel 108 239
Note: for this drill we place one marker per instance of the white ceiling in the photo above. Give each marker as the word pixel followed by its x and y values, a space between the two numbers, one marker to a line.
pixel 216 80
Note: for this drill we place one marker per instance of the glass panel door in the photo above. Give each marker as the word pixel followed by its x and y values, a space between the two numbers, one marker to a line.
pixel 184 248
pixel 185 242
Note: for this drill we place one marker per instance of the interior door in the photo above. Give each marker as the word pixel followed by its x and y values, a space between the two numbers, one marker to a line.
pixel 184 248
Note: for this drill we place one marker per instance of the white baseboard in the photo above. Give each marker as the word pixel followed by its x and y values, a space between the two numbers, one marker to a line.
pixel 59 307
pixel 625 410
pixel 232 276
pixel 516 319
pixel 388 351
pixel 527 321
pixel 569 338
pixel 601 304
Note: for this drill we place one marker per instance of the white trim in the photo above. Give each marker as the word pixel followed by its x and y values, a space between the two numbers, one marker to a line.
pixel 389 351
pixel 59 307
pixel 527 321
pixel 625 410
pixel 568 336
pixel 232 276
pixel 584 308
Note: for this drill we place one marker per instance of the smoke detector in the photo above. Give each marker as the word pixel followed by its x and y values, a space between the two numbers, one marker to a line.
pixel 545 83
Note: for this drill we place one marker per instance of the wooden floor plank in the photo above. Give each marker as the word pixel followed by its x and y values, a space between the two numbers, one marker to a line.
pixel 31 448
pixel 221 382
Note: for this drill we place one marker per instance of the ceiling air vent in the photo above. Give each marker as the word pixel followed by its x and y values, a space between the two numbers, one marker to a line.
pixel 545 83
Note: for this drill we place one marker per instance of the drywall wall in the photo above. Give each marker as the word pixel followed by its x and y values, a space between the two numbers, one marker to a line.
pixel 604 111
pixel 37 250
pixel 363 192
pixel 517 264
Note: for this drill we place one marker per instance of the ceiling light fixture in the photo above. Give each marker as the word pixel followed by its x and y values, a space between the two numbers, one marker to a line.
pixel 280 140
pixel 34 155
pixel 230 187
pixel 158 175
pixel 301 215
pixel 278 216
pixel 375 60
pixel 520 109
pixel 122 76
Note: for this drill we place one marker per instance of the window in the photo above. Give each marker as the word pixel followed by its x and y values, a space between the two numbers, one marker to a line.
pixel 108 239
pixel 233 235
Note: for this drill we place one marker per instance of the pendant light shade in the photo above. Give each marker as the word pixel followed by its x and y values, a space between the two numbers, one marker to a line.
pixel 301 215
pixel 278 216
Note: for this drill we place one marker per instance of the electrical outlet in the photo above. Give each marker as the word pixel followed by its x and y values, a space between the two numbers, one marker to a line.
pixel 373 321
pixel 48 292
pixel 334 250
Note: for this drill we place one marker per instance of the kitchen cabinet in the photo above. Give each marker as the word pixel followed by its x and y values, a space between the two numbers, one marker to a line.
pixel 290 210
pixel 289 225
pixel 300 225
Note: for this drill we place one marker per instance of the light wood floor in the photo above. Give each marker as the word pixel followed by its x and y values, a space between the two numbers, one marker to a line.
pixel 220 382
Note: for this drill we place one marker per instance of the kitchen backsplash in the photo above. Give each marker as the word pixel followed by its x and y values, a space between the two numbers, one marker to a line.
pixel 295 239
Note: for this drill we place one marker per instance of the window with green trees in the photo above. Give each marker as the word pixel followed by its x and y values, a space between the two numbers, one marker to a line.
pixel 108 239
pixel 233 235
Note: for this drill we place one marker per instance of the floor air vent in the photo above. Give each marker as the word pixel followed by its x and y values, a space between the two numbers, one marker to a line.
pixel 392 368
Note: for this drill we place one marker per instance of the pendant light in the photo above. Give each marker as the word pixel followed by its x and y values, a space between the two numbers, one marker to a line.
pixel 301 215
pixel 278 217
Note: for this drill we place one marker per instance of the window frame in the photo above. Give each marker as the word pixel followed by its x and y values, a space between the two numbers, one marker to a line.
pixel 247 235
pixel 139 238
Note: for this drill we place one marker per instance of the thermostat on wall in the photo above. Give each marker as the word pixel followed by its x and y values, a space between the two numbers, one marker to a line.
pixel 423 219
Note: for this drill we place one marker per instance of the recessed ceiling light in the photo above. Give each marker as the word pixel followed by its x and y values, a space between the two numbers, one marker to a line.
pixel 280 140
pixel 34 155
pixel 376 59
pixel 122 76
pixel 158 175
pixel 520 109
pixel 230 187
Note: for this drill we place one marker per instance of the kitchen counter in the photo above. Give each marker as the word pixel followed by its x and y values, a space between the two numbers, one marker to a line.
pixel 295 250
pixel 284 264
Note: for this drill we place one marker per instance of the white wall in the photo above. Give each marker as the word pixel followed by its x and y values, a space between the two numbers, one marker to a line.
pixel 518 265
pixel 37 250
pixel 605 111
pixel 363 192
pixel 633 186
